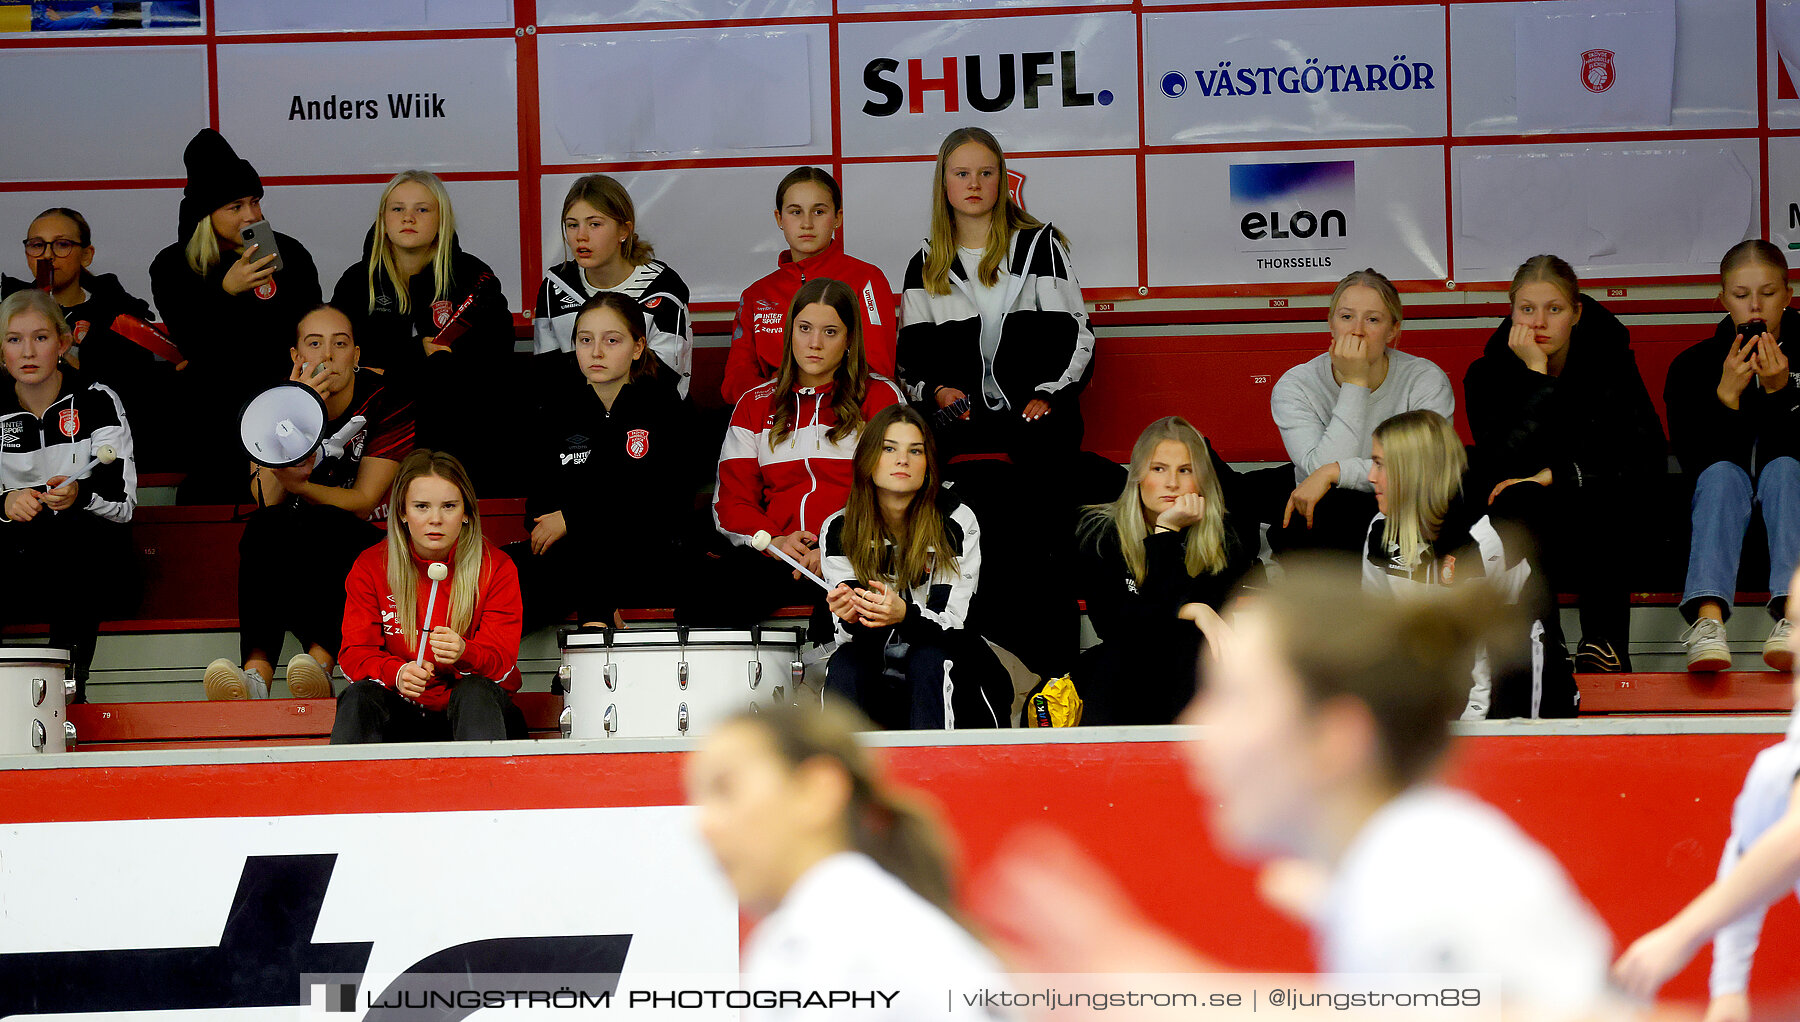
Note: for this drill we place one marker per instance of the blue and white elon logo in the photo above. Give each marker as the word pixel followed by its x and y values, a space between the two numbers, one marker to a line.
pixel 1287 202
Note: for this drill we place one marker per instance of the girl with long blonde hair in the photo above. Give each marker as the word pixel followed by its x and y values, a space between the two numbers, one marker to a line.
pixel 904 560
pixel 422 668
pixel 1425 536
pixel 1155 565
pixel 429 316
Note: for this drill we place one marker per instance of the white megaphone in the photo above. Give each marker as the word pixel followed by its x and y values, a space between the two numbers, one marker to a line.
pixel 285 424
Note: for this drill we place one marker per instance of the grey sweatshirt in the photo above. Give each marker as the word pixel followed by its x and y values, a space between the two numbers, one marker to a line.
pixel 1322 422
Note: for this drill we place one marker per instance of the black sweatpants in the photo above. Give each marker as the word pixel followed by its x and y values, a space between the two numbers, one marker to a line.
pixel 369 712
pixel 292 562
pixel 591 580
pixel 958 683
pixel 741 587
pixel 1584 537
pixel 70 571
pixel 1144 681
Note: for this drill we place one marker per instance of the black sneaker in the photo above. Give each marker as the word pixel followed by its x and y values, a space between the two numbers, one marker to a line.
pixel 1597 656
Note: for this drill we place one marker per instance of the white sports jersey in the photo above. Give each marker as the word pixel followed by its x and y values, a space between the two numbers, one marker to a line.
pixel 1438 881
pixel 848 924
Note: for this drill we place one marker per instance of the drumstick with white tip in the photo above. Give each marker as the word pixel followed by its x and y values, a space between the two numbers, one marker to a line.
pixel 438 572
pixel 761 541
pixel 103 455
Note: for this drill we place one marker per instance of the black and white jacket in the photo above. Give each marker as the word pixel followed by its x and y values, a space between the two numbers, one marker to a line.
pixel 1530 680
pixel 83 417
pixel 656 287
pixel 937 604
pixel 1046 348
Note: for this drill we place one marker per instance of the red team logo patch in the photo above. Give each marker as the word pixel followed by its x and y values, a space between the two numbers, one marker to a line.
pixel 266 290
pixel 440 313
pixel 1597 70
pixel 69 421
pixel 637 443
pixel 1015 187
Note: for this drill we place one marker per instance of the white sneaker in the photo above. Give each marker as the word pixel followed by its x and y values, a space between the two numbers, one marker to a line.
pixel 226 680
pixel 1776 652
pixel 307 679
pixel 1706 646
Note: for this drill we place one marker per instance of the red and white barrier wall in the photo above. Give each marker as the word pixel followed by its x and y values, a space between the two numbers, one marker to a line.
pixel 98 855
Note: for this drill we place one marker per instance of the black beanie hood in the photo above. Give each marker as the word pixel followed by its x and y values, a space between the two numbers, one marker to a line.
pixel 216 175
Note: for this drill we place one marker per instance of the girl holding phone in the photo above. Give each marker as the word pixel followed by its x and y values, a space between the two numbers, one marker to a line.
pixel 231 307
pixel 904 560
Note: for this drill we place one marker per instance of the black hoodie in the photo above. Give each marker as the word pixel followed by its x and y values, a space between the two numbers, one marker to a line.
pixel 390 339
pixel 1764 427
pixel 1593 425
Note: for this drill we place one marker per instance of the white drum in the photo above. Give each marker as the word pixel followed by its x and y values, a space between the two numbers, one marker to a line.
pixel 35 689
pixel 673 683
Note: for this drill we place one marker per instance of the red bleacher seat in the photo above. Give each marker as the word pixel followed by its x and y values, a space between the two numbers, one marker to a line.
pixel 200 724
pixel 1680 692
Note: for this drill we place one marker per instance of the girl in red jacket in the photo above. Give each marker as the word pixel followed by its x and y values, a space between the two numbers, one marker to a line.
pixel 785 464
pixel 459 687
pixel 809 209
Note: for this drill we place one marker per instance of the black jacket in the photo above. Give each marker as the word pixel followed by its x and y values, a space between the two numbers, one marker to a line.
pixel 1127 611
pixel 234 344
pixel 389 339
pixel 1592 426
pixel 625 476
pixel 1764 426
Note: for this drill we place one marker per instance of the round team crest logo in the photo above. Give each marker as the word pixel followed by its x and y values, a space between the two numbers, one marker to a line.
pixel 266 290
pixel 440 313
pixel 637 443
pixel 69 422
pixel 1597 70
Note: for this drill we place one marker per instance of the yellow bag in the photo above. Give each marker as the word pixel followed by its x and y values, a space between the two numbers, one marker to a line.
pixel 1054 705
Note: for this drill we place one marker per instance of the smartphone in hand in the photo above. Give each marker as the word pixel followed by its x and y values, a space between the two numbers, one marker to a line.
pixel 262 236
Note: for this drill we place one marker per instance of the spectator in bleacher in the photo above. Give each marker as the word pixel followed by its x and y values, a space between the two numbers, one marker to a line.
pixel 786 463
pixel 313 519
pixel 1734 418
pixel 995 345
pixel 1567 438
pixel 992 278
pixel 229 309
pixel 421 670
pixel 850 878
pixel 904 561
pixel 599 231
pixel 612 474
pixel 809 209
pixel 433 319
pixel 1156 565
pixel 1428 533
pixel 66 538
pixel 1327 408
pixel 59 249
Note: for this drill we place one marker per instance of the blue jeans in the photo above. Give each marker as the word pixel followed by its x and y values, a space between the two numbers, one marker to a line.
pixel 1721 513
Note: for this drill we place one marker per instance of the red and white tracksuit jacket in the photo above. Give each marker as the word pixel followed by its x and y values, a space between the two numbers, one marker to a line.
pixel 799 482
pixel 374 649
pixel 757 333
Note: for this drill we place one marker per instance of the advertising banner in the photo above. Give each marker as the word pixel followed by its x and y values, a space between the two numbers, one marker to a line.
pixel 1270 76
pixel 350 107
pixel 1308 215
pixel 1038 83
